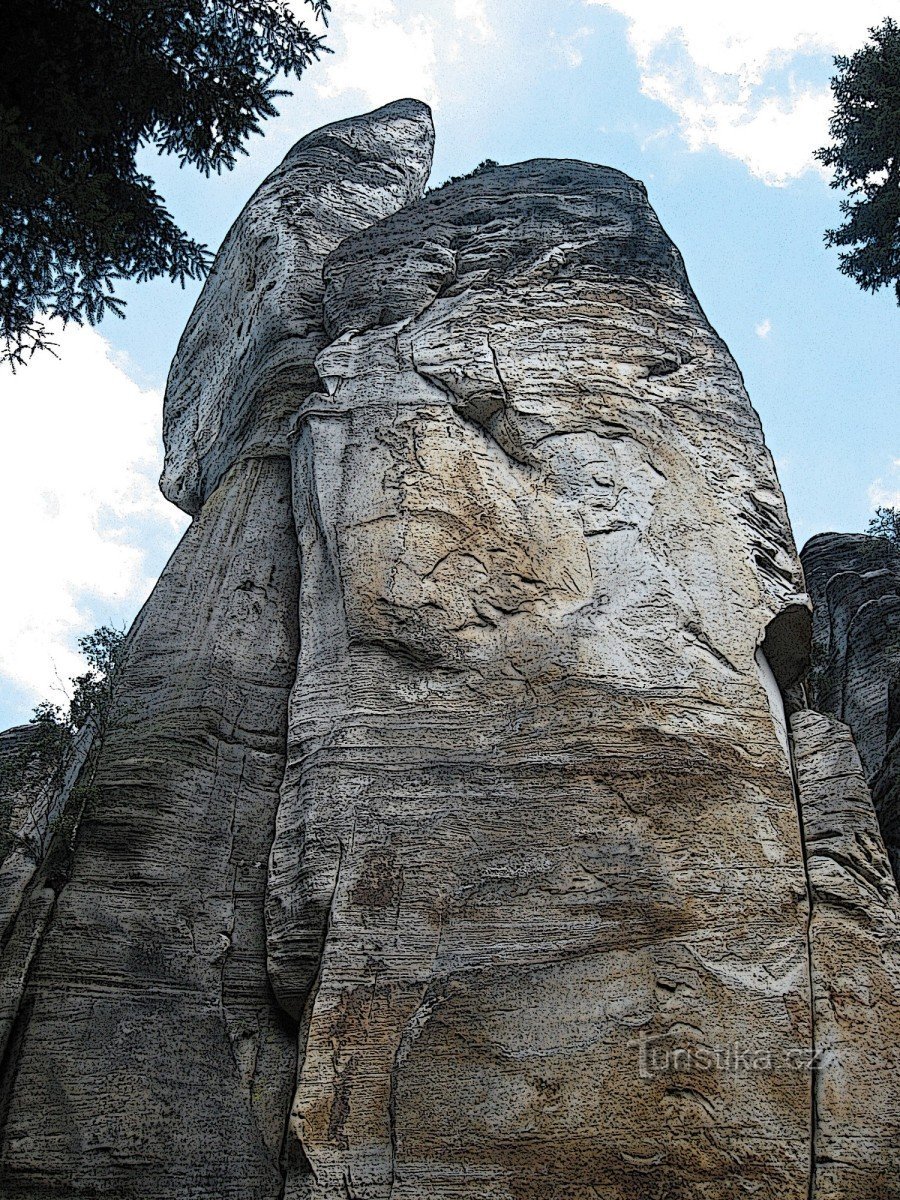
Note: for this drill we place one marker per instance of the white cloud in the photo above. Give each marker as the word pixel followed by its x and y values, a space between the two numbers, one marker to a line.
pixel 79 460
pixel 380 54
pixel 717 65
pixel 886 495
pixel 471 13
pixel 764 328
pixel 387 49
pixel 569 47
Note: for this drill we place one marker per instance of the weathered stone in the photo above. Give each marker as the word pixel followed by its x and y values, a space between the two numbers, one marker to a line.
pixel 23 781
pixel 886 795
pixel 245 360
pixel 148 1058
pixel 483 650
pixel 538 817
pixel 855 962
pixel 855 584
pixel 33 791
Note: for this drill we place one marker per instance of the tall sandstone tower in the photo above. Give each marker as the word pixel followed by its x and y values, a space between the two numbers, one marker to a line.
pixel 461 831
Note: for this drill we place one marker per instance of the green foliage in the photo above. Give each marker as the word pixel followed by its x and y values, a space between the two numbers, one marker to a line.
pixel 92 692
pixel 83 85
pixel 485 165
pixel 886 524
pixel 39 766
pixel 865 155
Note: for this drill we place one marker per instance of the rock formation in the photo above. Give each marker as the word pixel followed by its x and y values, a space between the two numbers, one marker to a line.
pixel 854 939
pixel 855 583
pixel 22 776
pixel 168 1070
pixel 452 838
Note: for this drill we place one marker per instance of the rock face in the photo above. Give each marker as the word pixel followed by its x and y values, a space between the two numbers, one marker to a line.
pixel 547 819
pixel 166 1053
pixel 855 963
pixel 147 1056
pixel 855 584
pixel 446 843
pixel 22 776
pixel 245 360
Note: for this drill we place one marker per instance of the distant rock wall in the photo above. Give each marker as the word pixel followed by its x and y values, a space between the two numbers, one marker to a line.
pixel 452 839
pixel 22 777
pixel 855 966
pixel 855 584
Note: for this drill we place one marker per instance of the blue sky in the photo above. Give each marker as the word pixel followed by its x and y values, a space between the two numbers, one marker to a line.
pixel 717 108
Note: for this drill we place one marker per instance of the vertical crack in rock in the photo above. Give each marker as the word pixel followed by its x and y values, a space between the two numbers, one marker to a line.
pixel 593 820
pixel 394 147
pixel 811 978
pixel 855 961
pixel 447 828
pixel 31 890
pixel 434 995
pixel 35 809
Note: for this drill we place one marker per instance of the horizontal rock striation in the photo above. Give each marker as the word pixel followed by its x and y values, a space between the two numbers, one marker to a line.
pixel 450 840
pixel 147 1055
pixel 855 960
pixel 537 854
pixel 855 584
pixel 148 1058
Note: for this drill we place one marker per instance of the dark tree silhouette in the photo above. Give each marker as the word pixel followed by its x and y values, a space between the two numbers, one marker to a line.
pixel 865 155
pixel 83 85
pixel 885 524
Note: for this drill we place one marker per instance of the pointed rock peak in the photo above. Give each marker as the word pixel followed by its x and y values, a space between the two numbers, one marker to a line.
pixel 247 354
pixel 398 135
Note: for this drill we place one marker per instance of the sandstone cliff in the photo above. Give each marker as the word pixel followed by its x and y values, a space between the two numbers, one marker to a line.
pixel 452 837
pixel 855 583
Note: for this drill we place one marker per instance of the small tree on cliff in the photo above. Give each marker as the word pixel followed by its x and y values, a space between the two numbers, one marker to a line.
pixel 83 85
pixel 40 766
pixel 885 524
pixel 865 155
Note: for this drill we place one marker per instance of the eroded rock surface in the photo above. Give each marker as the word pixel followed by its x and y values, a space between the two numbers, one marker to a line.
pixel 245 360
pixel 538 817
pixel 855 584
pixel 23 781
pixel 147 1056
pixel 855 957
pixel 445 843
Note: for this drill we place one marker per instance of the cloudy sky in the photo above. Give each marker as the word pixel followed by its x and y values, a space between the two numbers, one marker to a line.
pixel 716 107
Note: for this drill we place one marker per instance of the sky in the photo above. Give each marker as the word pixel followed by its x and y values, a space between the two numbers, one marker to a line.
pixel 716 107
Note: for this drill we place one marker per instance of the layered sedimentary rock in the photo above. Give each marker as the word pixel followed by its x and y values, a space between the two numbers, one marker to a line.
pixel 148 1057
pixel 42 777
pixel 245 360
pixel 445 841
pixel 855 961
pixel 855 584
pixel 23 778
pixel 538 817
pixel 886 785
